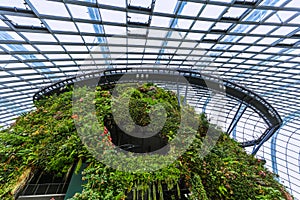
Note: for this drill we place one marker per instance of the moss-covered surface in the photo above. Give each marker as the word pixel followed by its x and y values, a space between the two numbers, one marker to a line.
pixel 47 139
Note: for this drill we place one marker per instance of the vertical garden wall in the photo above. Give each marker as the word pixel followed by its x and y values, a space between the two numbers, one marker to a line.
pixel 46 139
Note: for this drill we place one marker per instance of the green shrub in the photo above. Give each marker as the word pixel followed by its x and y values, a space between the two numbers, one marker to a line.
pixel 47 139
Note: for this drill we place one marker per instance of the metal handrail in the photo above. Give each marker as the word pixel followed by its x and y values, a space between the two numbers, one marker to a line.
pixel 233 90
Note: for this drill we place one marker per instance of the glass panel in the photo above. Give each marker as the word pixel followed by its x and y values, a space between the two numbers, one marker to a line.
pixel 249 39
pixel 32 77
pixel 190 45
pixel 191 9
pixel 223 1
pixel 184 23
pixel 114 29
pixel 221 46
pixel 234 12
pixel 80 56
pixel 296 20
pixel 141 3
pixel 14 3
pixel 256 49
pixel 238 47
pixel 154 43
pixel 75 48
pixel 222 26
pixel 152 50
pixel 284 30
pixel 136 31
pixel 119 3
pixel 49 47
pixel 194 36
pixel 281 16
pixel 261 56
pixel 242 28
pixel 257 15
pixel 294 4
pixel 160 21
pixel 50 8
pixel 58 56
pixel 263 29
pixel 230 38
pixel 212 11
pixel 83 12
pixel 63 63
pixel 172 44
pixel 204 45
pixel 268 41
pixel 165 6
pixel 19 47
pixel 3 24
pixel 61 25
pixel 24 21
pixel 9 35
pixel 39 37
pixel 157 33
pixel 88 28
pixel 273 50
pixel 69 38
pixel 273 2
pixel 294 51
pixel 115 40
pixel 92 39
pixel 212 36
pixel 30 56
pixel 202 25
pixel 132 41
pixel 113 16
pixel 182 52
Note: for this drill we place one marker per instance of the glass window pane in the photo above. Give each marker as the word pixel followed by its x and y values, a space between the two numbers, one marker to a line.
pixel 263 29
pixel 140 3
pixel 10 35
pixel 50 8
pixel 69 38
pixel 24 21
pixel 160 21
pixel 113 16
pixel 61 25
pixel 212 11
pixel 281 16
pixel 257 15
pixel 284 30
pixel 184 23
pixel 119 3
pixel 165 6
pixel 114 29
pixel 242 28
pixel 88 28
pixel 202 25
pixel 49 47
pixel 191 9
pixel 84 12
pixel 39 37
pixel 249 39
pixel 234 12
pixel 140 18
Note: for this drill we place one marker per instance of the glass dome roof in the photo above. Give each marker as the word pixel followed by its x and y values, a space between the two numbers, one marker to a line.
pixel 253 43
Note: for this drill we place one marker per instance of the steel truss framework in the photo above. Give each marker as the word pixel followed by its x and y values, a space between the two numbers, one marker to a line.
pixel 251 43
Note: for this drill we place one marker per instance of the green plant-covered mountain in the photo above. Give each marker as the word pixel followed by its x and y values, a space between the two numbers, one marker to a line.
pixel 47 139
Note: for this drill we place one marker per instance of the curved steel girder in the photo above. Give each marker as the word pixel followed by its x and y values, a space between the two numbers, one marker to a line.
pixel 232 90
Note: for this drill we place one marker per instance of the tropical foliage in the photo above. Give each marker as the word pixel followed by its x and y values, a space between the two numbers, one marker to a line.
pixel 47 139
